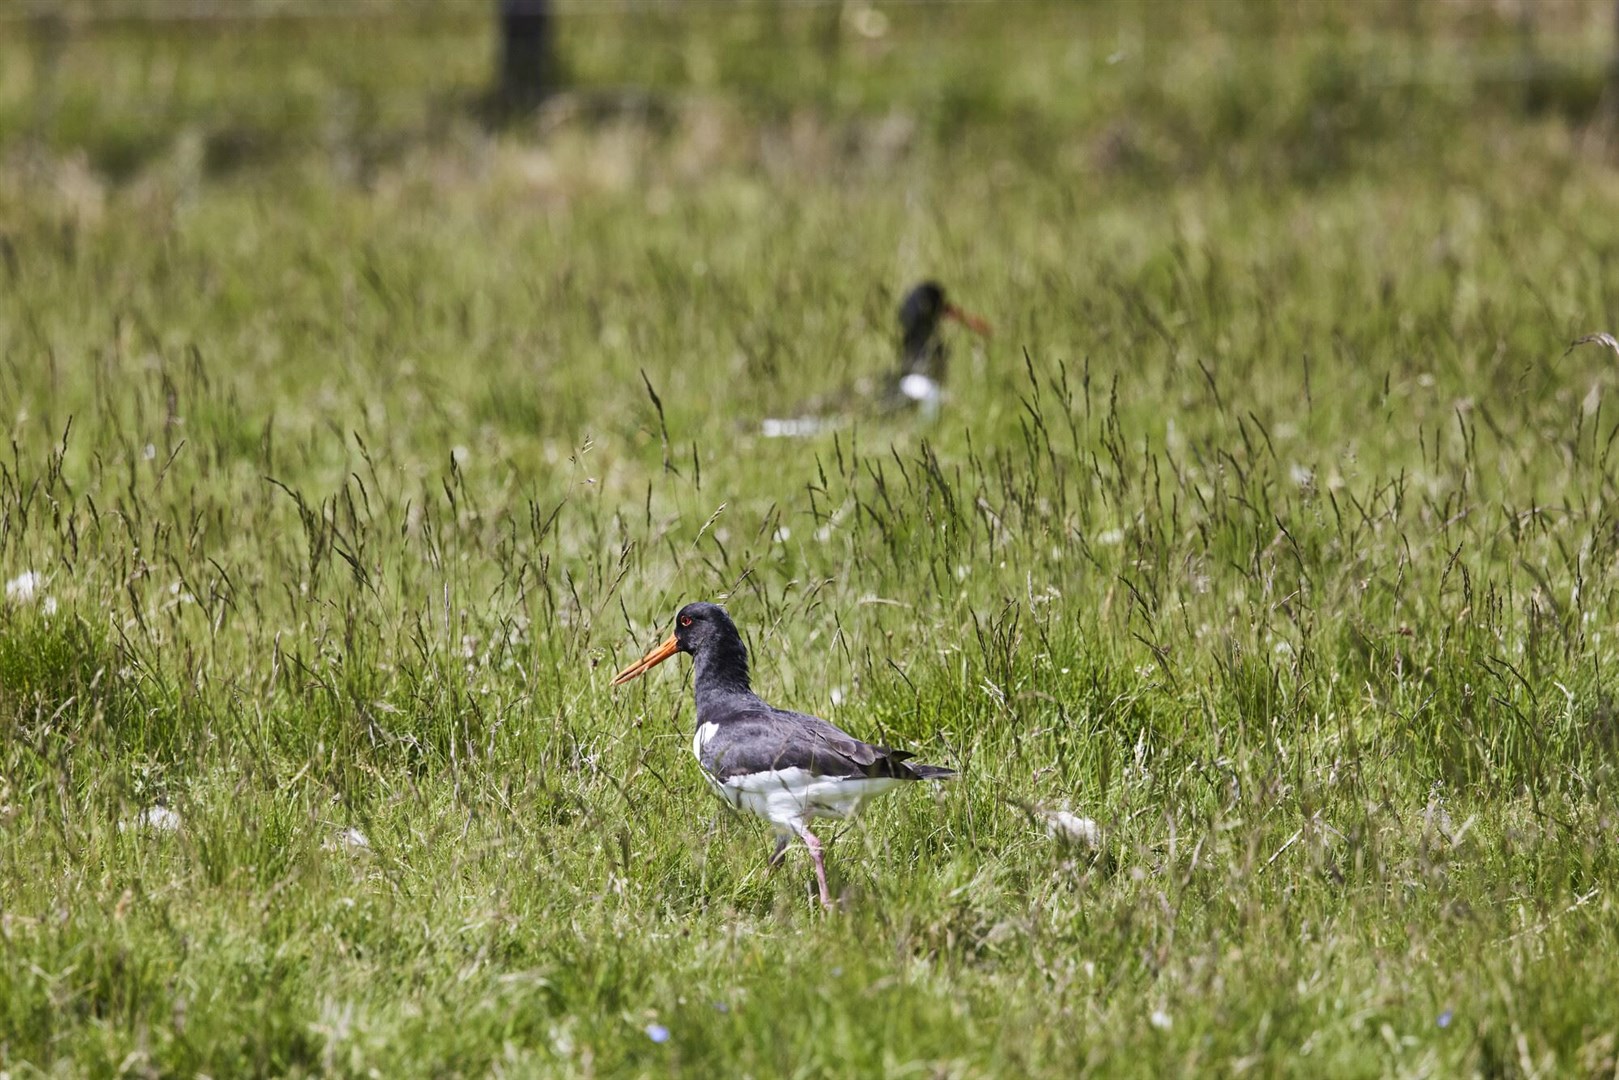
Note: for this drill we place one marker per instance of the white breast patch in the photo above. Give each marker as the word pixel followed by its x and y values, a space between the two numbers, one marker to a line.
pixel 704 733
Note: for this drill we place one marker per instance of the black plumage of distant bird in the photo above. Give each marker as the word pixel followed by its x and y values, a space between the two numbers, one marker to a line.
pixel 785 767
pixel 923 354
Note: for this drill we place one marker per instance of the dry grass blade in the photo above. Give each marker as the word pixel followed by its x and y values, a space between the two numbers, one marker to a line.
pixel 1604 339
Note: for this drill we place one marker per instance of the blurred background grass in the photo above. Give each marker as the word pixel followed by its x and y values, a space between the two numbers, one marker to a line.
pixel 1140 91
pixel 1272 530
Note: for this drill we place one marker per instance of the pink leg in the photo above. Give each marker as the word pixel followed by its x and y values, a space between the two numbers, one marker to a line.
pixel 814 846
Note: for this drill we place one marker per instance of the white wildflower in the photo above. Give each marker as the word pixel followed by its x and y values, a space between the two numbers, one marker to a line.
pixel 348 840
pixel 868 22
pixel 21 589
pixel 155 818
pixel 1069 828
pixel 795 427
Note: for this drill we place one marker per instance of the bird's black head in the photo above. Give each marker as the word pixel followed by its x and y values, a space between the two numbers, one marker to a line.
pixel 701 626
pixel 921 310
pixel 707 632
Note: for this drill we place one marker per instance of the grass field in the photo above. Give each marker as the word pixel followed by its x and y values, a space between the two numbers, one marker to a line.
pixel 1274 529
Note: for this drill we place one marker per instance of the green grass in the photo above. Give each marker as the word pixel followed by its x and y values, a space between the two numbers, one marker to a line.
pixel 1273 529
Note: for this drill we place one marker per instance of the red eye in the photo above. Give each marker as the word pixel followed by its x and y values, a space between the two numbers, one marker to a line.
pixel 685 620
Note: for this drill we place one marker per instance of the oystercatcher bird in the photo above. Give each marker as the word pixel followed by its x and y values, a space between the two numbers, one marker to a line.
pixel 786 767
pixel 919 382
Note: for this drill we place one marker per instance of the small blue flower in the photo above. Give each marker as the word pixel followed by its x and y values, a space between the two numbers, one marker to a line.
pixel 657 1033
pixel 1446 1017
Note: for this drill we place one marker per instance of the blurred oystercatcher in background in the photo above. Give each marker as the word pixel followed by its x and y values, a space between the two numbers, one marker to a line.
pixel 919 382
pixel 785 767
pixel 922 350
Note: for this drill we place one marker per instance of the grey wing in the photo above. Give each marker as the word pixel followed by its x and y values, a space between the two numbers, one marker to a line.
pixel 764 742
pixel 867 759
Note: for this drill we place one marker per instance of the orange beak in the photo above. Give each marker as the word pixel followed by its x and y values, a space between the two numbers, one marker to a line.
pixel 648 662
pixel 970 321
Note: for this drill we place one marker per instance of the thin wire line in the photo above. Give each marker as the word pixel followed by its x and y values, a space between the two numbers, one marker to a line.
pixel 245 11
pixel 205 11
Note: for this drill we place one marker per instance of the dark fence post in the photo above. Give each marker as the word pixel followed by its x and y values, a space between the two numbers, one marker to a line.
pixel 527 53
pixel 1610 90
pixel 49 30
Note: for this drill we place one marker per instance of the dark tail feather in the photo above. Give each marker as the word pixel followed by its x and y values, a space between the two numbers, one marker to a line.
pixel 931 772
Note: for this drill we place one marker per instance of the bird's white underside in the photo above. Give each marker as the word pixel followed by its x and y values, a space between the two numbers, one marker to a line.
pixel 787 798
pixel 920 388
